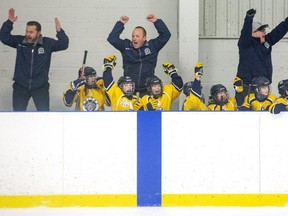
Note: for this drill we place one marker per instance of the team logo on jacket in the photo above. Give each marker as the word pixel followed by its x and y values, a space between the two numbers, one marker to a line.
pixel 267 45
pixel 90 104
pixel 147 51
pixel 41 50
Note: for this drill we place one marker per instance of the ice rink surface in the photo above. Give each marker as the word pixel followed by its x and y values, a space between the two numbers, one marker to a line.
pixel 149 211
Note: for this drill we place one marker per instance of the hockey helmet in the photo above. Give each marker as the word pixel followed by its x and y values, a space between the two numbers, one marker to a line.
pixel 152 81
pixel 217 89
pixel 123 80
pixel 257 84
pixel 283 87
pixel 187 88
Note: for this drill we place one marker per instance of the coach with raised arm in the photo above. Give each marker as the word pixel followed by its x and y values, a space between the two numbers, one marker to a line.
pixel 33 60
pixel 139 54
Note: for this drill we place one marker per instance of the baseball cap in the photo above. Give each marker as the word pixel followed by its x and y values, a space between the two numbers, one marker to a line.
pixel 257 26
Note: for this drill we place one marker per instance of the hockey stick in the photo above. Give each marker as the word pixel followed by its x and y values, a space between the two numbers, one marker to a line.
pixel 249 91
pixel 84 63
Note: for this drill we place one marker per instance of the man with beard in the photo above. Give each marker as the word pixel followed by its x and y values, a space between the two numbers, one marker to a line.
pixel 33 60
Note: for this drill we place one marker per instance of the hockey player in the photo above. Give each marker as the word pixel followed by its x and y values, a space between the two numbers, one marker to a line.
pixel 219 99
pixel 281 103
pixel 261 98
pixel 121 95
pixel 161 97
pixel 87 92
pixel 193 91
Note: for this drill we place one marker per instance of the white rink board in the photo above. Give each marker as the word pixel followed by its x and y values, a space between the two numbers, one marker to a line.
pixel 228 152
pixel 55 153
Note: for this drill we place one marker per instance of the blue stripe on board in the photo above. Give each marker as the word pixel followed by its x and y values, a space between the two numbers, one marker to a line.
pixel 149 158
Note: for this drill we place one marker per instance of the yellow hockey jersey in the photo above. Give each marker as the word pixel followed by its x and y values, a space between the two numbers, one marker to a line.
pixel 170 93
pixel 281 100
pixel 193 102
pixel 229 106
pixel 87 99
pixel 119 102
pixel 250 101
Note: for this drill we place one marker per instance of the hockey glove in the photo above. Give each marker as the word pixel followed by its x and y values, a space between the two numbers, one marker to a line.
pixel 198 70
pixel 153 104
pixel 169 68
pixel 238 84
pixel 279 108
pixel 138 106
pixel 245 107
pixel 76 84
pixel 251 12
pixel 109 62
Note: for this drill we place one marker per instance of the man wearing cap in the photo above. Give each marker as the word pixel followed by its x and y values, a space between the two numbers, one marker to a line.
pixel 255 47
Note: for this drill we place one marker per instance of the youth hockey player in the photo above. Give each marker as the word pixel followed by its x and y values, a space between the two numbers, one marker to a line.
pixel 281 103
pixel 220 100
pixel 161 97
pixel 193 91
pixel 261 98
pixel 87 92
pixel 120 95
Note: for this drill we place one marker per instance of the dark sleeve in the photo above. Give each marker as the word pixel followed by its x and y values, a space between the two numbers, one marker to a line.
pixel 68 97
pixel 196 88
pixel 114 36
pixel 108 78
pixel 177 81
pixel 278 32
pixel 164 34
pixel 62 42
pixel 246 32
pixel 6 37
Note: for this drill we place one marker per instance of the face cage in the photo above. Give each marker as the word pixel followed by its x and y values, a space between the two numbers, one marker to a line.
pixel 219 102
pixel 129 92
pixel 93 85
pixel 156 96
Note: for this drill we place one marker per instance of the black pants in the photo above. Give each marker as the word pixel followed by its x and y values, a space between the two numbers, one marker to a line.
pixel 21 97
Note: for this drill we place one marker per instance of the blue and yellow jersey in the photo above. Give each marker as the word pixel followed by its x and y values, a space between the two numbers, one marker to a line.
pixel 229 106
pixel 257 105
pixel 193 102
pixel 87 99
pixel 118 99
pixel 170 93
pixel 275 108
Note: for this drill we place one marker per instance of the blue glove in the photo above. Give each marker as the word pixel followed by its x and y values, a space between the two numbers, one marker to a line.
pixel 279 108
pixel 77 84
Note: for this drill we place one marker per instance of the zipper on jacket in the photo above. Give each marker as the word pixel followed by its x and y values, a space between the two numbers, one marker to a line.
pixel 31 69
pixel 140 69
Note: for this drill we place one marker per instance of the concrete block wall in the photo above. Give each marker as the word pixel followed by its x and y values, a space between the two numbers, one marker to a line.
pixel 220 58
pixel 87 23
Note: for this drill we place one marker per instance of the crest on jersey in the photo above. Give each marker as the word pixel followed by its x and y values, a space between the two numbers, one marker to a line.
pixel 41 50
pixel 90 104
pixel 147 51
pixel 124 103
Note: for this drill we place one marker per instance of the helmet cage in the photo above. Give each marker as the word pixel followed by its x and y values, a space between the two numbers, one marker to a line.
pixel 152 81
pixel 217 89
pixel 283 88
pixel 122 82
